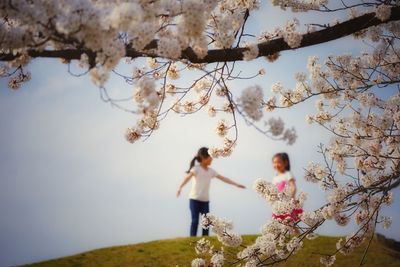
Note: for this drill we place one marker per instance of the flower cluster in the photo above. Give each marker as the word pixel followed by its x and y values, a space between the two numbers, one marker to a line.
pixel 281 202
pixel 276 126
pixel 107 28
pixel 218 259
pixel 273 243
pixel 104 32
pixel 364 125
pixel 132 134
pixel 266 189
pixel 290 35
pixel 222 228
pixel 198 262
pixel 225 151
pixel 251 102
pixel 383 12
pixel 299 5
pixel 222 128
pixel 204 247
pixel 328 260
pixel 251 52
pixel 314 172
pixel 146 95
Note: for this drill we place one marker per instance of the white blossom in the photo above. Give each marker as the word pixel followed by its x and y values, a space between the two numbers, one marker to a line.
pixel 217 259
pixel 222 128
pixel 266 190
pixel 203 246
pixel 251 52
pixel 198 262
pixel 290 136
pixel 222 228
pixel 251 102
pixel 212 111
pixel 387 221
pixel 132 135
pixel 382 12
pixel 146 94
pixel 276 126
pixel 328 260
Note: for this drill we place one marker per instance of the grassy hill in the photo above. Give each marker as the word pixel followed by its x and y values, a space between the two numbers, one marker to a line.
pixel 180 252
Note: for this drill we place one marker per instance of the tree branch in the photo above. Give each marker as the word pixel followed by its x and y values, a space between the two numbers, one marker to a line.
pixel 234 54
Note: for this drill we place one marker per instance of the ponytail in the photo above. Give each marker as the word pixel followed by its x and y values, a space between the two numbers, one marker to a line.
pixel 192 163
pixel 201 154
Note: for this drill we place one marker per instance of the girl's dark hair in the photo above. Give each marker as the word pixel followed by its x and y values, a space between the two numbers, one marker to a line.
pixel 201 154
pixel 285 158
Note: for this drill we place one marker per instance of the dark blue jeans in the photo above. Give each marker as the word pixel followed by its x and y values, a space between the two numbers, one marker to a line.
pixel 196 208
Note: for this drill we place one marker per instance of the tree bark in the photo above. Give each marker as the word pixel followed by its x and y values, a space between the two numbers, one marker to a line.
pixel 233 54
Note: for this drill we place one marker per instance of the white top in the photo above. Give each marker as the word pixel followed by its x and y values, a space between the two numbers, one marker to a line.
pixel 201 182
pixel 286 176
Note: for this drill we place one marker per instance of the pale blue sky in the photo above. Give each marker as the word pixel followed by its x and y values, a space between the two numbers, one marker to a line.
pixel 70 182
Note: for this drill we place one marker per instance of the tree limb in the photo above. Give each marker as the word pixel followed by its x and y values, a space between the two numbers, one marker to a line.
pixel 233 54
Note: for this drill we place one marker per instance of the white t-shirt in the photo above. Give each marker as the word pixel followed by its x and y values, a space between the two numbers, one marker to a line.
pixel 201 182
pixel 286 176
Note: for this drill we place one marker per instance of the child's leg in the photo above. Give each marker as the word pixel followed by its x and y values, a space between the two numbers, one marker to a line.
pixel 205 209
pixel 195 211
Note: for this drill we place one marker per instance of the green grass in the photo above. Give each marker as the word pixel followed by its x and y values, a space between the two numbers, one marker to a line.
pixel 180 251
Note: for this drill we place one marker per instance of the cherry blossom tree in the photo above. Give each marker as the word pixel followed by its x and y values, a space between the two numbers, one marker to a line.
pixel 359 168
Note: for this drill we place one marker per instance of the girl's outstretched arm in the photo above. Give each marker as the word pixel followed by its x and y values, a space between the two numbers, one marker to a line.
pixel 185 181
pixel 229 181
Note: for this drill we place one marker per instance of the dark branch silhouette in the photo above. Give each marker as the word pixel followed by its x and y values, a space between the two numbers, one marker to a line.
pixel 232 54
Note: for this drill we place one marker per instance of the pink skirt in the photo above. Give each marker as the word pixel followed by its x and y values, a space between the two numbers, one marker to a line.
pixel 293 216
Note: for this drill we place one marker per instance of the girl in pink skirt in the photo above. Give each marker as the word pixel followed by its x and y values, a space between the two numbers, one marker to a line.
pixel 283 179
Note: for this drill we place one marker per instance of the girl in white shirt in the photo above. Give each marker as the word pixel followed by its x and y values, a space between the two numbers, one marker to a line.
pixel 199 193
